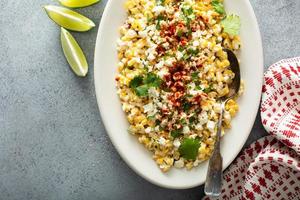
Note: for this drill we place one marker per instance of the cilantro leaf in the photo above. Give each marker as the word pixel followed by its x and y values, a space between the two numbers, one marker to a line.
pixel 136 81
pixel 187 11
pixel 176 133
pixel 186 106
pixel 208 89
pixel 189 148
pixel 194 76
pixel 159 19
pixel 152 80
pixel 192 119
pixel 231 24
pixel 218 6
pixel 142 90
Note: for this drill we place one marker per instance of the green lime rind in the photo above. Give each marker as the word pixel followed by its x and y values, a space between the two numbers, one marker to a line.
pixel 69 19
pixel 78 3
pixel 73 53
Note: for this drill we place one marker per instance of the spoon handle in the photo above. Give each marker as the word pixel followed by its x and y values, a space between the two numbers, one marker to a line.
pixel 213 184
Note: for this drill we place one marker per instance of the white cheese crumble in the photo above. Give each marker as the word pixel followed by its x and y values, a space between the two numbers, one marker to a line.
pixel 179 163
pixel 176 143
pixel 186 130
pixel 162 141
pixel 211 126
pixel 148 130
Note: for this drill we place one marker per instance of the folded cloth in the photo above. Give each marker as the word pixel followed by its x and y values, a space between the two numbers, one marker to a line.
pixel 280 107
pixel 270 167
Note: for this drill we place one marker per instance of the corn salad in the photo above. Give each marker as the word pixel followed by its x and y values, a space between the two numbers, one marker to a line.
pixel 172 71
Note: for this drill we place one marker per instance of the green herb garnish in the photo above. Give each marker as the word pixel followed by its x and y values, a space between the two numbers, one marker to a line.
pixel 231 24
pixel 189 148
pixel 141 84
pixel 159 19
pixel 176 133
pixel 187 11
pixel 192 119
pixel 218 6
pixel 152 80
pixel 194 76
pixel 136 81
pixel 142 90
pixel 208 89
pixel 187 106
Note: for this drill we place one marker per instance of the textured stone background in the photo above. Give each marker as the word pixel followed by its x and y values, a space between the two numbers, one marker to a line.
pixel 52 142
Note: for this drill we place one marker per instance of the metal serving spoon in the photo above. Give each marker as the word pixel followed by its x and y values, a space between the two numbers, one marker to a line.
pixel 213 184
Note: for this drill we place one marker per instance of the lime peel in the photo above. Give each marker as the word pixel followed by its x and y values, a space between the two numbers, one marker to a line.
pixel 77 3
pixel 69 19
pixel 73 53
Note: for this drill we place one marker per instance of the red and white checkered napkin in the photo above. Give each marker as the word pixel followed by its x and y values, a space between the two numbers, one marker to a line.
pixel 270 167
pixel 280 107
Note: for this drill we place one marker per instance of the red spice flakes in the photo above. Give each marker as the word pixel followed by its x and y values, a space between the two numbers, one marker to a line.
pixel 160 50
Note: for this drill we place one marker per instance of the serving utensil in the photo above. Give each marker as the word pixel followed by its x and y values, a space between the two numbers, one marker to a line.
pixel 213 183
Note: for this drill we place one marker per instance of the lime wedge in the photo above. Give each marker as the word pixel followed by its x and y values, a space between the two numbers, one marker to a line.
pixel 68 18
pixel 73 53
pixel 77 3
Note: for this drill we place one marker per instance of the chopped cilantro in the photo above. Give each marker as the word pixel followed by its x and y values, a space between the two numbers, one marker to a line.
pixel 176 133
pixel 198 87
pixel 193 52
pixel 142 84
pixel 186 106
pixel 157 122
pixel 192 119
pixel 207 90
pixel 189 148
pixel 152 80
pixel 182 121
pixel 142 90
pixel 136 81
pixel 152 117
pixel 218 6
pixel 194 76
pixel 187 11
pixel 180 48
pixel 179 33
pixel 231 24
pixel 159 19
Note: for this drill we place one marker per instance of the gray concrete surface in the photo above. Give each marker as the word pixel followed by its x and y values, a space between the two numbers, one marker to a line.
pixel 52 142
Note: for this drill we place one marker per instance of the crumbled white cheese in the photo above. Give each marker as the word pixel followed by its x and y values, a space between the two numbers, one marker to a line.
pixel 143 33
pixel 179 55
pixel 211 126
pixel 160 64
pixel 153 92
pixel 164 71
pixel 196 43
pixel 148 107
pixel 203 118
pixel 186 130
pixel 148 130
pixel 177 15
pixel 131 33
pixel 179 163
pixel 162 141
pixel 151 57
pixel 176 143
pixel 170 61
pixel 158 9
pixel 199 127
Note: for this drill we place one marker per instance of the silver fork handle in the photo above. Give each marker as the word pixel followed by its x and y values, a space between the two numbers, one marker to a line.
pixel 213 184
